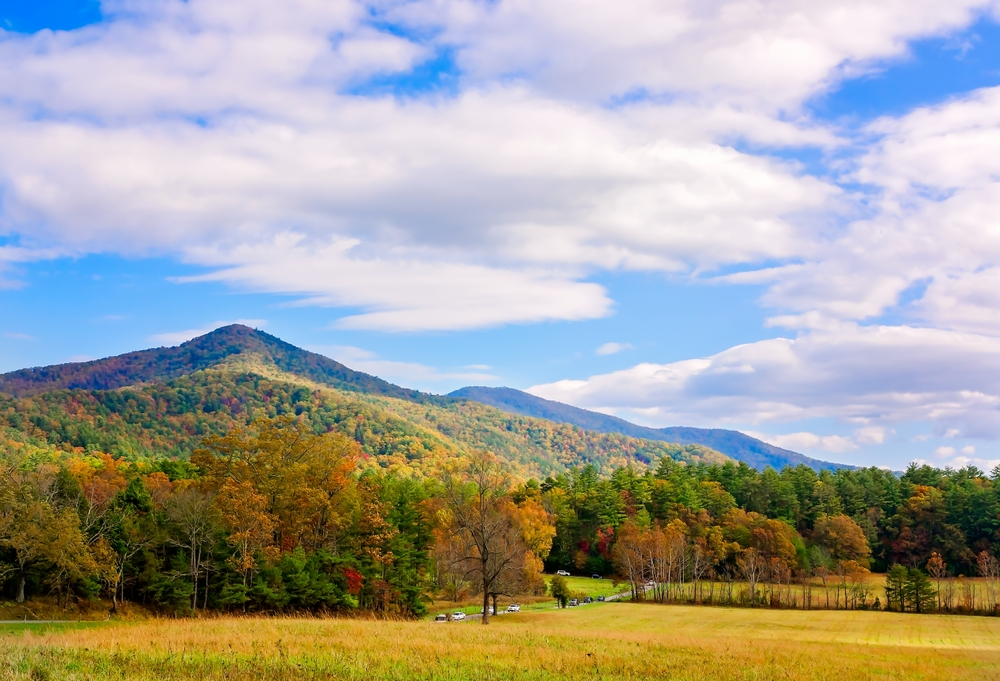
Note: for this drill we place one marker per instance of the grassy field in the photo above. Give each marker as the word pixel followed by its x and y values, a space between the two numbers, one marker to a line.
pixel 584 586
pixel 602 641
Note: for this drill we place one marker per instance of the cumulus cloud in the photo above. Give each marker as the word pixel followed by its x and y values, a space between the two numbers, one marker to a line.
pixel 216 126
pixel 869 376
pixel 930 248
pixel 579 138
pixel 774 53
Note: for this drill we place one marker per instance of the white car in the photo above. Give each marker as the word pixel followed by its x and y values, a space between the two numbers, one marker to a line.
pixel 562 573
pixel 457 616
pixel 513 607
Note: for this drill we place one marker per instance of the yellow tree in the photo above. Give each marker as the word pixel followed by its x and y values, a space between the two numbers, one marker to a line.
pixel 305 480
pixel 842 538
pixel 251 529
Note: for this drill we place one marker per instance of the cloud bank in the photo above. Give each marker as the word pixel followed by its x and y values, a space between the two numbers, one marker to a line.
pixel 291 148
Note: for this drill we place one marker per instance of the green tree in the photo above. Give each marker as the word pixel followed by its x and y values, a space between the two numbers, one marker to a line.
pixel 919 593
pixel 895 588
pixel 559 590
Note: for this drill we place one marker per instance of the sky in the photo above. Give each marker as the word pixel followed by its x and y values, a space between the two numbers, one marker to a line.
pixel 781 217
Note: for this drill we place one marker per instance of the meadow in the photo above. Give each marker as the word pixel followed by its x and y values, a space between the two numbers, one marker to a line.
pixel 599 641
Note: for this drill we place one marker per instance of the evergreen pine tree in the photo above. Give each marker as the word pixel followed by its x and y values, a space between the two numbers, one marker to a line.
pixel 920 595
pixel 895 587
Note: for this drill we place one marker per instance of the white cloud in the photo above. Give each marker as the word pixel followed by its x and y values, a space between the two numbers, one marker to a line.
pixel 612 348
pixel 18 336
pixel 367 361
pixel 834 444
pixel 215 127
pixel 944 452
pixel 582 137
pixel 408 295
pixel 930 238
pixel 775 52
pixel 178 337
pixel 805 441
pixel 869 376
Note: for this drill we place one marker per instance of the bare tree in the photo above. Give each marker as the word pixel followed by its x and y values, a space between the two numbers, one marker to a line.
pixel 752 565
pixel 196 521
pixel 484 523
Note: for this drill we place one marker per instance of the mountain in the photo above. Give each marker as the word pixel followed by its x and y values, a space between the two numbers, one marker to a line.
pixel 212 349
pixel 754 452
pixel 164 401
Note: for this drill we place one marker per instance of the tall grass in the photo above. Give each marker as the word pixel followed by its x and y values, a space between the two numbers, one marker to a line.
pixel 614 641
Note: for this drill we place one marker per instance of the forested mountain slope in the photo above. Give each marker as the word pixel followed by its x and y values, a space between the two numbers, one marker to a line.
pixel 412 436
pixel 732 443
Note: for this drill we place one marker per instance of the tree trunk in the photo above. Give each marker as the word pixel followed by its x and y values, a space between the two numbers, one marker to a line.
pixel 20 589
pixel 486 598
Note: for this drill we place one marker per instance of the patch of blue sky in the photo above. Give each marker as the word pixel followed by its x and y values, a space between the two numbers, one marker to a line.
pixel 903 313
pixel 116 304
pixel 438 75
pixel 935 70
pixel 31 16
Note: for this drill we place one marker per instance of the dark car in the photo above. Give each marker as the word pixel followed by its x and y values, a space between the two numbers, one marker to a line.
pixel 441 618
pixel 588 599
pixel 600 599
pixel 573 603
pixel 596 576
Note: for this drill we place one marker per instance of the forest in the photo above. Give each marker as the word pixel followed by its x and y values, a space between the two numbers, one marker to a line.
pixel 274 516
pixel 402 436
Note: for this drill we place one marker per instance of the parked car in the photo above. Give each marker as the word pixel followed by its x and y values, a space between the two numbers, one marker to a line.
pixel 596 576
pixel 441 618
pixel 600 599
pixel 456 616
pixel 573 603
pixel 492 611
pixel 562 573
pixel 513 607
pixel 588 599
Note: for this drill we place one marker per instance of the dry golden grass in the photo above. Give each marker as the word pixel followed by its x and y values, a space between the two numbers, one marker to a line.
pixel 612 641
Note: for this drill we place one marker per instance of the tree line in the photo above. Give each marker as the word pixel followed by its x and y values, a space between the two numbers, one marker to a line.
pixel 272 517
pixel 266 518
pixel 795 538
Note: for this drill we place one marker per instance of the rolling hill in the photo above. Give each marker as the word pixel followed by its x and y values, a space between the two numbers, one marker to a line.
pixel 754 452
pixel 162 364
pixel 162 402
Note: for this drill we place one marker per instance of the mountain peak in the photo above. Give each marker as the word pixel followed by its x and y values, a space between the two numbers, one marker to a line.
pixel 204 352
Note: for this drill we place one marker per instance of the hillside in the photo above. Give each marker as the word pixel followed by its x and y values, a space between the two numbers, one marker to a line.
pixel 159 411
pixel 732 443
pixel 162 364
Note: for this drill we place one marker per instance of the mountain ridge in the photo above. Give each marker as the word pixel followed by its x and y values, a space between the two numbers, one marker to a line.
pixel 203 352
pixel 735 444
pixel 162 402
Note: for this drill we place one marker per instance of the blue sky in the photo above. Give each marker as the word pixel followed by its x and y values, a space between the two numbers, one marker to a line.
pixel 678 226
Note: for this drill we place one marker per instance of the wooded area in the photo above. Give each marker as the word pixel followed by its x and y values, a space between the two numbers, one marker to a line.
pixel 273 517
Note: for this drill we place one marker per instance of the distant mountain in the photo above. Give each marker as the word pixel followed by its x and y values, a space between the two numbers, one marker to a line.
pixel 754 452
pixel 204 352
pixel 164 401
